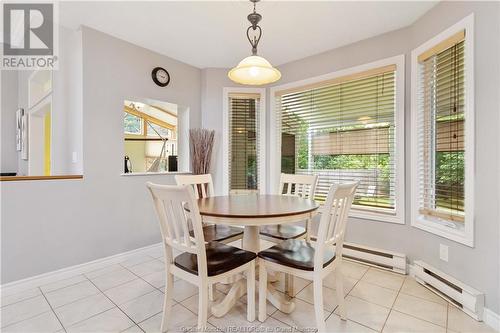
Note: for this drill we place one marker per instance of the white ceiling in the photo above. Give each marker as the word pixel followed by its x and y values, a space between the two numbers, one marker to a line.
pixel 212 34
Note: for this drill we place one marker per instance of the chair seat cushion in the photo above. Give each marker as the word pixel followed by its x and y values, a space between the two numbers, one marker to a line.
pixel 295 253
pixel 221 258
pixel 283 231
pixel 219 233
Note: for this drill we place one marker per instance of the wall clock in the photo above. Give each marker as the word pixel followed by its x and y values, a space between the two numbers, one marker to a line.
pixel 160 76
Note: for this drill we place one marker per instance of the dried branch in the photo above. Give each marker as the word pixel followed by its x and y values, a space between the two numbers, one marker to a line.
pixel 201 144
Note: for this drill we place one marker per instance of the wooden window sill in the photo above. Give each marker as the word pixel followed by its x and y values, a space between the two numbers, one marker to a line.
pixel 19 178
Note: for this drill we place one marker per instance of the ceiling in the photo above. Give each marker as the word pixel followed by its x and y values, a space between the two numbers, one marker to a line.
pixel 212 34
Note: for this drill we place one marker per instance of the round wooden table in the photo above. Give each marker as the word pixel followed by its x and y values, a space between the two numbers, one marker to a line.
pixel 253 211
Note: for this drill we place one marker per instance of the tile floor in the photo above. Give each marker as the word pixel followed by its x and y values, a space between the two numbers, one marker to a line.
pixel 127 297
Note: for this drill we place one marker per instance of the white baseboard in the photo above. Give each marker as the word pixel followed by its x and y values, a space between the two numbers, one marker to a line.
pixel 491 319
pixel 46 278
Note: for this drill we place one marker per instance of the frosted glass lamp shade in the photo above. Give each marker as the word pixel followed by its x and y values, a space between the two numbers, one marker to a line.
pixel 254 70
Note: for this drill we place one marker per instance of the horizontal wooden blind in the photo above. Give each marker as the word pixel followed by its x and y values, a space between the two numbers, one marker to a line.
pixel 243 143
pixel 343 130
pixel 441 136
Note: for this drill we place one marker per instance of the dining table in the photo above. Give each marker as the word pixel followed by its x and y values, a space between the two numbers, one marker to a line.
pixel 253 211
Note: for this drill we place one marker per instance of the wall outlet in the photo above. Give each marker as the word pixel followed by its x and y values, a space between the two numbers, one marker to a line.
pixel 443 252
pixel 74 157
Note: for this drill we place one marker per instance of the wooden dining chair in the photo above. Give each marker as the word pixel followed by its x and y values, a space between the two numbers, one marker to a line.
pixel 313 261
pixel 303 186
pixel 202 264
pixel 203 187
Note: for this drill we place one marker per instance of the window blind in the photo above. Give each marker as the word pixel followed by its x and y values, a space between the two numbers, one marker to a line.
pixel 441 144
pixel 343 130
pixel 243 142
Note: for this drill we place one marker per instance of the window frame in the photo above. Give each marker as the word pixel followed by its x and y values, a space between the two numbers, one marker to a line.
pixel 373 214
pixel 444 228
pixel 226 92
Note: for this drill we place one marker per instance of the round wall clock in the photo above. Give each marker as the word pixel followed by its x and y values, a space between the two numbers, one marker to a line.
pixel 160 76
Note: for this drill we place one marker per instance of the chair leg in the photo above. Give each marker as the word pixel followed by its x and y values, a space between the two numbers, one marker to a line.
pixel 202 306
pixel 167 302
pixel 262 291
pixel 251 292
pixel 339 286
pixel 211 292
pixel 318 304
pixel 289 281
pixel 308 230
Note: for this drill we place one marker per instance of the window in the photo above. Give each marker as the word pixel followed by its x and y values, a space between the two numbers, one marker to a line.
pixel 243 136
pixel 349 127
pixel 243 121
pixel 442 137
pixel 132 124
pixel 150 130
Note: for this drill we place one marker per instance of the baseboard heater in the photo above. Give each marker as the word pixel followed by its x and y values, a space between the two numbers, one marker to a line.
pixel 459 294
pixel 389 260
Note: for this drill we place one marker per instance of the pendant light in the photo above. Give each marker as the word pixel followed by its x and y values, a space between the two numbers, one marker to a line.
pixel 254 70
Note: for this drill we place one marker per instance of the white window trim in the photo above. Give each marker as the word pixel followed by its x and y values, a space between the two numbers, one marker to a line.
pixel 275 156
pixel 226 91
pixel 443 229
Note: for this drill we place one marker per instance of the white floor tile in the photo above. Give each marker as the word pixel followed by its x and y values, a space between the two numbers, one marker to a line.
pixel 135 260
pixel 113 278
pixel 110 321
pixel 156 279
pixel 401 323
pixel 72 293
pixel 10 298
pixel 374 294
pixel 412 287
pixel 45 322
pixel 458 321
pixel 148 267
pixel 335 324
pixel 365 313
pixel 22 310
pixel 75 312
pixel 104 270
pixel 133 329
pixel 63 283
pixel 349 282
pixel 303 317
pixel 330 301
pixel 181 320
pixel 422 309
pixel 143 307
pixel 128 291
pixel 273 325
pixel 353 269
pixel 384 278
pixel 184 290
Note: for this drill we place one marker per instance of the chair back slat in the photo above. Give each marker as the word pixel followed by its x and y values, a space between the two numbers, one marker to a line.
pixel 303 186
pixel 202 184
pixel 333 221
pixel 178 213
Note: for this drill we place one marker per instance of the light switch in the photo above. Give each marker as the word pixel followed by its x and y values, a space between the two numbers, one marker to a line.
pixel 74 157
pixel 443 252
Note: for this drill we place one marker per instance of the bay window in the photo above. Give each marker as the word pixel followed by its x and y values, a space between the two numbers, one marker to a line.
pixel 443 127
pixel 347 127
